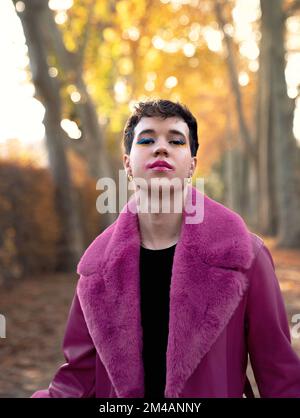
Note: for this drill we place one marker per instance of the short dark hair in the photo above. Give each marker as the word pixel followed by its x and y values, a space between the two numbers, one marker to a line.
pixel 164 109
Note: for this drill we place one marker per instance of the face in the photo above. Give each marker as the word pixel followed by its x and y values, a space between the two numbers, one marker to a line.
pixel 161 139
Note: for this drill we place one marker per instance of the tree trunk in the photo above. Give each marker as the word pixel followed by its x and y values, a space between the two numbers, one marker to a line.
pixel 47 91
pixel 246 155
pixel 99 162
pixel 276 126
pixel 266 190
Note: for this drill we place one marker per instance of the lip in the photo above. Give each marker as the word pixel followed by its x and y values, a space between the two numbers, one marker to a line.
pixel 160 165
pixel 161 168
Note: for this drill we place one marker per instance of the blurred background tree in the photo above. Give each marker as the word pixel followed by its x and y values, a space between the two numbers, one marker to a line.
pixel 228 61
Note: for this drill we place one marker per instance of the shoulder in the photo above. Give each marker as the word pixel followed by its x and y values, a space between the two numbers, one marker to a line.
pixel 261 274
pixel 257 244
pixel 261 251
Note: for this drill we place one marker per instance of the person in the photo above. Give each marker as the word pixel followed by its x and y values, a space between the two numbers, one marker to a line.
pixel 170 308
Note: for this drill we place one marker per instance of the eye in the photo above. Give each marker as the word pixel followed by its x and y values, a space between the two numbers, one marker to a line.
pixel 178 141
pixel 150 140
pixel 145 141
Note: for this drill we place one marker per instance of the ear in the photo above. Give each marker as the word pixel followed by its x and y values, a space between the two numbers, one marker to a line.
pixel 193 164
pixel 126 162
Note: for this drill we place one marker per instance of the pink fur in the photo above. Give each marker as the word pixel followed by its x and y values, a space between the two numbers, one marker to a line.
pixel 206 288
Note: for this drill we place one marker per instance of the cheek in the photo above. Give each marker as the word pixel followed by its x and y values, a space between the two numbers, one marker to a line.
pixel 137 154
pixel 137 163
pixel 184 162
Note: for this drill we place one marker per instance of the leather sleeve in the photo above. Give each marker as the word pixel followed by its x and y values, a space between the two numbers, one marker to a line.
pixel 75 378
pixel 275 364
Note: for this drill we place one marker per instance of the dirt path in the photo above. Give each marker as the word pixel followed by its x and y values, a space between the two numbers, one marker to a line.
pixel 36 313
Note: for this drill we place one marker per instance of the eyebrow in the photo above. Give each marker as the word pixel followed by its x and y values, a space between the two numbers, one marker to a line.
pixel 152 131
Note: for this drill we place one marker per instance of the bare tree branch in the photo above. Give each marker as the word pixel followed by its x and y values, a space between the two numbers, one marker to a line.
pixel 292 9
pixel 86 33
pixel 67 59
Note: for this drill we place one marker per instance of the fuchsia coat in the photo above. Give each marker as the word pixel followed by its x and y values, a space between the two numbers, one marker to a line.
pixel 225 302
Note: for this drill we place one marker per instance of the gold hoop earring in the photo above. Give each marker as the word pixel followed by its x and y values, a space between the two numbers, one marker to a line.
pixel 130 177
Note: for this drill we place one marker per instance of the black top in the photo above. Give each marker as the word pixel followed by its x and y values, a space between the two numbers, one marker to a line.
pixel 155 275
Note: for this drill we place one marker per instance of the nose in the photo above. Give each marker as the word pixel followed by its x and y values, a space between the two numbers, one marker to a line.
pixel 160 149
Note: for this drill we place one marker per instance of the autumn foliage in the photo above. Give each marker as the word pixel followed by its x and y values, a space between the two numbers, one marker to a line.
pixel 29 224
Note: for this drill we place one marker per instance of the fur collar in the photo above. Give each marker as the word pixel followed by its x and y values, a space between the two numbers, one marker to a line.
pixel 207 285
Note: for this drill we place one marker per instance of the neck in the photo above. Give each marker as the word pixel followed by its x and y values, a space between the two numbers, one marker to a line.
pixel 159 230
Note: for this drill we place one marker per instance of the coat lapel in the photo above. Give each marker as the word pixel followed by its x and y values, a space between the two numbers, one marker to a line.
pixel 207 285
